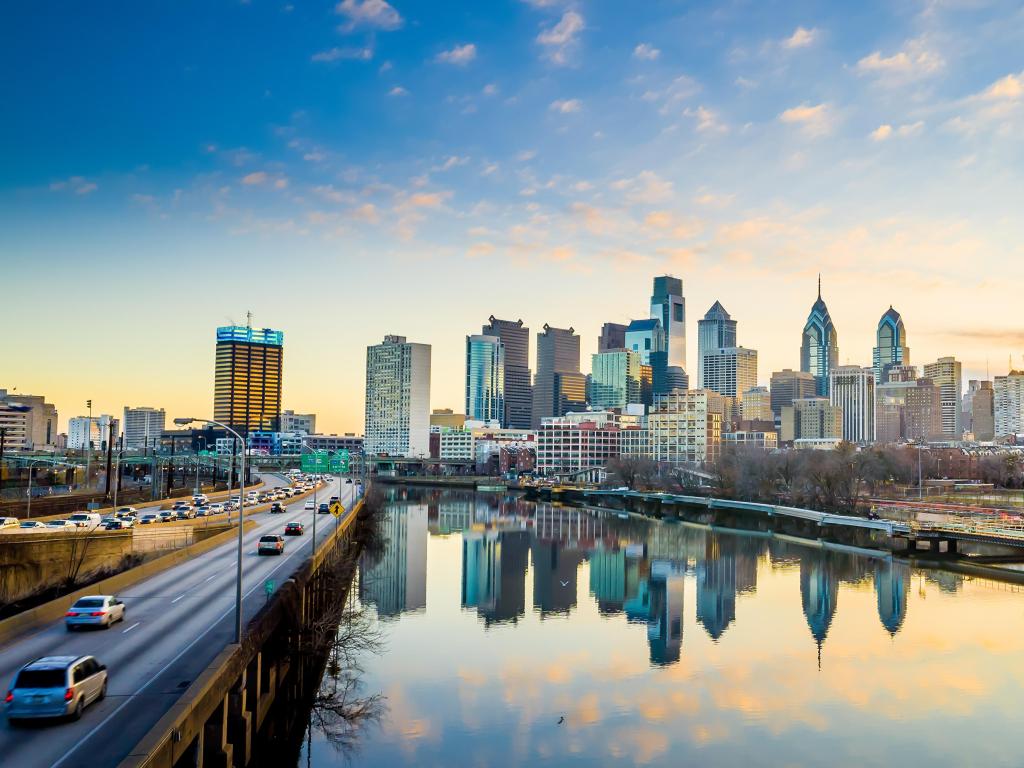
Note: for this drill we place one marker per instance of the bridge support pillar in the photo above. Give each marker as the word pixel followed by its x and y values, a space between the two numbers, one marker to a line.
pixel 240 724
pixel 215 750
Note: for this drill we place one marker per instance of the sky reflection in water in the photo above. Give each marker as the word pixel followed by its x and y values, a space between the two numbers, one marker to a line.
pixel 526 634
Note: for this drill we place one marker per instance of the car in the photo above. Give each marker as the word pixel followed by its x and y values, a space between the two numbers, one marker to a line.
pixel 202 511
pixel 200 499
pixel 167 516
pixel 108 519
pixel 323 509
pixel 270 545
pixel 334 499
pixel 183 514
pixel 56 686
pixel 294 528
pixel 216 508
pixel 29 525
pixel 276 508
pixel 149 518
pixel 8 522
pixel 94 611
pixel 310 504
pixel 85 519
pixel 349 481
pixel 115 525
pixel 181 505
pixel 230 506
pixel 125 511
pixel 60 524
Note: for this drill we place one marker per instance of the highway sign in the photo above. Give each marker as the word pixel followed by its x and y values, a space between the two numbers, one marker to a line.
pixel 337 509
pixel 340 462
pixel 315 462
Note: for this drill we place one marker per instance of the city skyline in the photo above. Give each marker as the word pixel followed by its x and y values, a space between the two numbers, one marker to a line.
pixel 743 151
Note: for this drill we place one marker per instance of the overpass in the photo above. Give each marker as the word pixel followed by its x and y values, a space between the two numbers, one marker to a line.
pixel 178 623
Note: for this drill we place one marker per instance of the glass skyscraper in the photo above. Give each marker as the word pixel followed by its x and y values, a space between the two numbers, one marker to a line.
pixel 247 379
pixel 485 378
pixel 716 331
pixel 892 346
pixel 819 348
pixel 669 306
pixel 615 379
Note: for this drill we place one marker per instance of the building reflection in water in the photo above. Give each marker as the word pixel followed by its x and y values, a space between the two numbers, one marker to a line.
pixel 637 567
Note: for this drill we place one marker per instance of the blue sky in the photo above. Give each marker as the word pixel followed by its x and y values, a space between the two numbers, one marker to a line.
pixel 371 167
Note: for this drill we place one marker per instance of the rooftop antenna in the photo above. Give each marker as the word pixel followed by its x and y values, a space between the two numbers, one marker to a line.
pixel 248 319
pixel 819 285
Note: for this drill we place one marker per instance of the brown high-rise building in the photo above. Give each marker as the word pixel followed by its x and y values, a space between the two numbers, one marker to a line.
pixel 559 382
pixel 515 337
pixel 788 385
pixel 613 337
pixel 922 413
pixel 247 383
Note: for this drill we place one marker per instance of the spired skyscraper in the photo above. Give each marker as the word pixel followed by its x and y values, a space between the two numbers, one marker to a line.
pixel 485 379
pixel 819 347
pixel 716 331
pixel 515 337
pixel 247 378
pixel 669 306
pixel 892 346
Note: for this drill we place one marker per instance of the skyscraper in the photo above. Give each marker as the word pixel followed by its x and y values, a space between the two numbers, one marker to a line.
pixel 1009 404
pixel 730 371
pixel 945 372
pixel 892 348
pixel 558 386
pixel 398 398
pixel 485 379
pixel 646 338
pixel 788 385
pixel 669 306
pixel 247 383
pixel 518 396
pixel 982 410
pixel 613 336
pixel 922 412
pixel 615 379
pixel 142 426
pixel 819 347
pixel 715 331
pixel 852 389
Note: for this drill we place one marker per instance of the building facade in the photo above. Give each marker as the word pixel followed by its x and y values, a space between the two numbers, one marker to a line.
pixel 93 433
pixel 945 372
pixel 28 422
pixel 646 338
pixel 669 306
pixel 298 422
pixel 142 427
pixel 852 390
pixel 1008 394
pixel 811 418
pixel 685 427
pixel 756 405
pixel 348 442
pixel 891 349
pixel 730 371
pixel 819 345
pixel 922 411
pixel 515 338
pixel 558 386
pixel 485 378
pixel 979 411
pixel 715 331
pixel 615 379
pixel 398 398
pixel 577 442
pixel 788 385
pixel 247 378
pixel 613 336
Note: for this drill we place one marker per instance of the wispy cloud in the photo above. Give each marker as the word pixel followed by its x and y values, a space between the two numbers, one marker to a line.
pixel 802 37
pixel 398 91
pixel 914 61
pixel 340 54
pixel 255 178
pixel 560 41
pixel 374 14
pixel 566 106
pixel 646 52
pixel 646 187
pixel 813 120
pixel 459 55
pixel 707 119
pixel 79 185
pixel 886 131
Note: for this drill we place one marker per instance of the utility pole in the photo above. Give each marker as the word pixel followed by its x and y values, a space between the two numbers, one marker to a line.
pixel 88 443
pixel 110 453
pixel 117 470
pixel 3 439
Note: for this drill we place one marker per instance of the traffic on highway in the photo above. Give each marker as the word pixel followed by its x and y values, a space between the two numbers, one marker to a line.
pixel 116 663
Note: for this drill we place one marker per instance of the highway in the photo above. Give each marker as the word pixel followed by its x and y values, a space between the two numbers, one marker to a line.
pixel 176 623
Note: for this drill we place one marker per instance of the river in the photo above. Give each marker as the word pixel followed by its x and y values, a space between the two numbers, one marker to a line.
pixel 509 633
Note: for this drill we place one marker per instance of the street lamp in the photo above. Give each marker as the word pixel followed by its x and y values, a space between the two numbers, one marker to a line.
pixel 241 520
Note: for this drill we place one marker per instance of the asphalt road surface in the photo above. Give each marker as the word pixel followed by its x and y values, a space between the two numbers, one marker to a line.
pixel 176 623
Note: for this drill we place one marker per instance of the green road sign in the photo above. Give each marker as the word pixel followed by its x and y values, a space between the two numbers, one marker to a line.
pixel 340 462
pixel 315 462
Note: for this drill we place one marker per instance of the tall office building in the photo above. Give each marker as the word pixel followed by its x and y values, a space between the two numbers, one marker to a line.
pixel 1009 404
pixel 669 306
pixel 613 336
pixel 616 379
pixel 788 385
pixel 398 398
pixel 142 426
pixel 852 389
pixel 891 403
pixel 485 379
pixel 756 405
pixel 28 421
pixel 247 379
pixel 819 346
pixel 716 330
pixel 559 386
pixel 922 412
pixel 730 371
pixel 515 337
pixel 646 338
pixel 980 398
pixel 891 349
pixel 945 372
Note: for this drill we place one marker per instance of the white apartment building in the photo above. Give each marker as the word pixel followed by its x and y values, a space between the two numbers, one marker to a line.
pixel 398 398
pixel 947 377
pixel 1009 404
pixel 142 426
pixel 457 444
pixel 852 388
pixel 685 426
pixel 82 430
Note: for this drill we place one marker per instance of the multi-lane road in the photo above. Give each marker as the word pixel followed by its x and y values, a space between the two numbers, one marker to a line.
pixel 176 623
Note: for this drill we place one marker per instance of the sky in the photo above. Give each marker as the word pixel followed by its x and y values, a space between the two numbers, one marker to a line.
pixel 346 170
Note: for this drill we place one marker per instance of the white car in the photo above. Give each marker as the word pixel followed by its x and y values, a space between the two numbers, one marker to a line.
pixel 309 504
pixel 8 522
pixel 30 525
pixel 85 519
pixel 54 524
pixel 216 508
pixel 94 611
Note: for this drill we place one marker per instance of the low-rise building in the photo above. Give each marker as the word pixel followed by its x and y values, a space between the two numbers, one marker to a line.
pixel 811 418
pixel 28 421
pixel 348 442
pixel 765 441
pixel 685 426
pixel 576 442
pixel 298 422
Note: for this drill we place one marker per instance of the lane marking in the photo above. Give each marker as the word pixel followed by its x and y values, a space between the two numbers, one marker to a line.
pixel 212 577
pixel 133 626
pixel 177 598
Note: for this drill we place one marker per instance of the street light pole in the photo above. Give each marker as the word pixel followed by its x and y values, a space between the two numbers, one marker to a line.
pixel 88 443
pixel 241 521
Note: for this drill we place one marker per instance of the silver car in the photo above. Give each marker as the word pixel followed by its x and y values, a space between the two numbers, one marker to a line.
pixel 94 611
pixel 56 686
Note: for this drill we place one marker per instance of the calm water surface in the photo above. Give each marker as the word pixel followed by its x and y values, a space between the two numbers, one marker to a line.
pixel 517 633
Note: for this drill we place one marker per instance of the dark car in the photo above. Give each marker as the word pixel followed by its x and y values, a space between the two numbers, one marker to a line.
pixel 323 509
pixel 334 499
pixel 294 529
pixel 276 507
pixel 349 481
